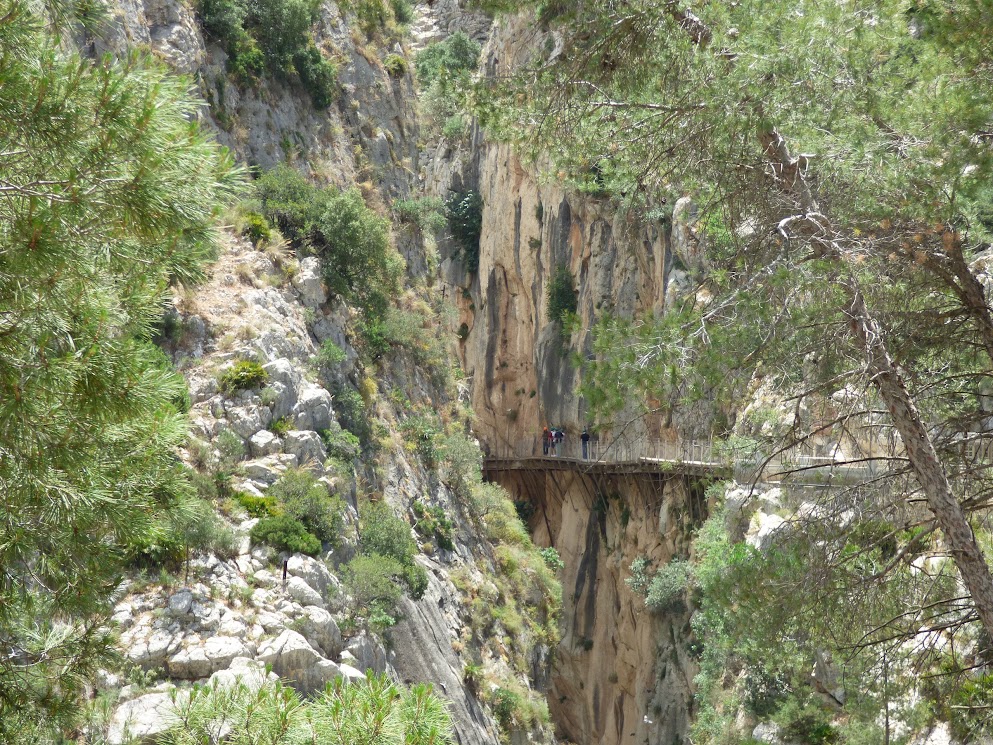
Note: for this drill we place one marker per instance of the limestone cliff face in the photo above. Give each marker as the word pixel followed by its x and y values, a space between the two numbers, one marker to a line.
pixel 514 348
pixel 523 367
pixel 621 673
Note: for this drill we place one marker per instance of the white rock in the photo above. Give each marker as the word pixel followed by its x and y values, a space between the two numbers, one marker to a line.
pixel 307 446
pixel 762 529
pixel 142 719
pixel 190 663
pixel 368 653
pixel 265 578
pixel 313 408
pixel 303 593
pixel 181 603
pixel 245 421
pixel 221 650
pixel 312 571
pixel 767 732
pixel 264 443
pixel 320 630
pixel 289 654
pixel 245 671
pixel 307 282
pixel 267 470
pixel 940 734
pixel 351 674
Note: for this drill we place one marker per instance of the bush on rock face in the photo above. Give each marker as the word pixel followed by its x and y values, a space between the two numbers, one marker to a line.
pixel 357 262
pixel 305 499
pixel 244 376
pixel 285 533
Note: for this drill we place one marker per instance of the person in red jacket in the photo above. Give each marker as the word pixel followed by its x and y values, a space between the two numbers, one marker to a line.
pixel 546 437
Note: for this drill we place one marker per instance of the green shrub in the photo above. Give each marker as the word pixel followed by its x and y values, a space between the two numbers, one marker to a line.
pixel 340 443
pixel 244 375
pixel 246 62
pixel 187 528
pixel 223 20
pixel 395 65
pixel 281 426
pixel 318 75
pixel 561 295
pixel 403 11
pixel 454 127
pixel 382 533
pixel 433 522
pixel 443 60
pixel 667 590
pixel 422 433
pixel 427 213
pixel 552 558
pixel 265 506
pixel 374 583
pixel 351 412
pixel 285 533
pixel 231 447
pixel 465 219
pixel 306 499
pixel 507 705
pixel 257 228
pixel 329 356
pixel 358 264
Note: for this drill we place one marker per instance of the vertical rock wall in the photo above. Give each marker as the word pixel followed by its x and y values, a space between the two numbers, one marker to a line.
pixel 621 673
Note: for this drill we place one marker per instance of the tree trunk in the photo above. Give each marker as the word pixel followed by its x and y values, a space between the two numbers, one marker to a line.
pixel 951 518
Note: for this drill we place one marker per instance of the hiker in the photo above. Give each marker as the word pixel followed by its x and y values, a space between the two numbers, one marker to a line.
pixel 554 441
pixel 559 436
pixel 585 437
pixel 546 437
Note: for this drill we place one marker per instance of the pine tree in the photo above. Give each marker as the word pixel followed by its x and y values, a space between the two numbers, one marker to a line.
pixel 374 711
pixel 108 195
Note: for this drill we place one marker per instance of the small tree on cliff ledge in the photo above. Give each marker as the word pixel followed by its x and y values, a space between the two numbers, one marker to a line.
pixel 841 154
pixel 107 194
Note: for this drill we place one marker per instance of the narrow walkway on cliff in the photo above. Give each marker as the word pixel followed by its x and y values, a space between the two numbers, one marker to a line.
pixel 706 458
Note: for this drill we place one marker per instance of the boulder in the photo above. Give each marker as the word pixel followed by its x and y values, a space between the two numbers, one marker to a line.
pixel 308 284
pixel 283 382
pixel 313 409
pixel 142 719
pixel 303 593
pixel 315 573
pixel 289 654
pixel 222 650
pixel 245 671
pixel 351 674
pixel 762 530
pixel 180 603
pixel 245 421
pixel 767 732
pixel 368 653
pixel 267 470
pixel 318 627
pixel 154 651
pixel 189 663
pixel 307 446
pixel 264 443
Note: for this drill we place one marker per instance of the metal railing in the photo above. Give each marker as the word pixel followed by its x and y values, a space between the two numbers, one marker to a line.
pixel 792 465
pixel 600 450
